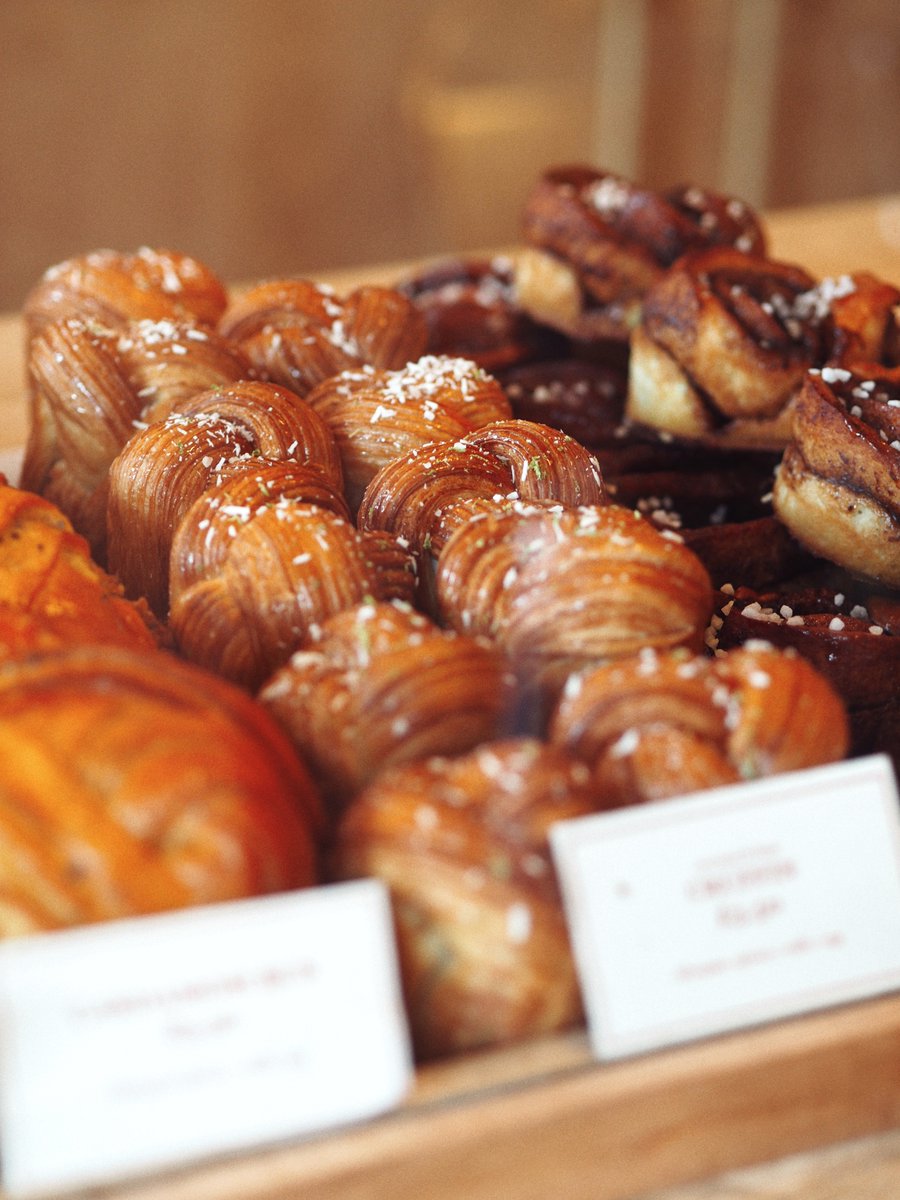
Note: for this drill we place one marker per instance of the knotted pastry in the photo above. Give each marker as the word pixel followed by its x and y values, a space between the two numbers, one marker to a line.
pixel 254 576
pixel 377 416
pixel 298 333
pixel 563 589
pixel 162 469
pixel 52 594
pixel 596 243
pixel 838 487
pixel 726 339
pixel 471 310
pixel 135 783
pixel 849 633
pixel 381 684
pixel 110 287
pixel 425 494
pixel 657 726
pixel 91 386
pixel 462 846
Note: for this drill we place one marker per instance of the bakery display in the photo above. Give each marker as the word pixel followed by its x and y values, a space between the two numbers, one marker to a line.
pixel 474 548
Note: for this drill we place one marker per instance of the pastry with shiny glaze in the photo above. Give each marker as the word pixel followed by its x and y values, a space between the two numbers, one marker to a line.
pixel 661 725
pixel 462 845
pixel 380 684
pixel 134 783
pixel 298 333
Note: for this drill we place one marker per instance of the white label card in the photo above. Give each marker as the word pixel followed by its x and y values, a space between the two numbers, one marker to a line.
pixel 734 906
pixel 155 1041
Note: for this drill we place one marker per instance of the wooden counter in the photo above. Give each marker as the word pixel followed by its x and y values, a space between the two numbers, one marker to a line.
pixel 815 1100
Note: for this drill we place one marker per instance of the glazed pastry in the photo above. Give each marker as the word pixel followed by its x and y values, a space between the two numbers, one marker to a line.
pixel 91 386
pixel 377 416
pixel 472 311
pixel 726 339
pixel 110 287
pixel 851 635
pixel 564 589
pixel 162 469
pixel 52 595
pixel 462 846
pixel 596 243
pixel 129 787
pixel 657 726
pixel 298 333
pixel 255 576
pixel 425 494
pixel 381 684
pixel 838 487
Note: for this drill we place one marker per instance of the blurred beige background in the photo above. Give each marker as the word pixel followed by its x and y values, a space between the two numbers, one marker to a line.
pixel 296 136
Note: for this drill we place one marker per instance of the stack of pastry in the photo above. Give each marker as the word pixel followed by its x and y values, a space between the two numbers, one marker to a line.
pixel 456 552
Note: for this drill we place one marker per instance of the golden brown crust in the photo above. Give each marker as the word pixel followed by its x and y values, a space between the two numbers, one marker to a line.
pixel 52 594
pixel 110 287
pixel 378 416
pixel 561 589
pixel 264 578
pixel 656 726
pixel 381 685
pixel 462 845
pixel 298 333
pixel 838 488
pixel 162 470
pixel 424 495
pixel 108 808
pixel 92 386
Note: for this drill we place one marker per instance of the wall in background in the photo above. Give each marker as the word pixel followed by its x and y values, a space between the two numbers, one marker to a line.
pixel 279 136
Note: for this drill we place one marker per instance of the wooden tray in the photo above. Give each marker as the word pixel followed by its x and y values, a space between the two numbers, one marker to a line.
pixel 542 1119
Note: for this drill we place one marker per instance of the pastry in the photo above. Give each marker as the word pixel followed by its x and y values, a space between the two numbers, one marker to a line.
pixel 52 594
pixel 726 338
pixel 130 785
pixel 381 684
pixel 596 242
pixel 377 416
pixel 92 386
pixel 110 287
pixel 162 469
pixel 662 725
pixel 850 632
pixel 563 589
pixel 257 571
pixel 298 333
pixel 462 845
pixel 838 486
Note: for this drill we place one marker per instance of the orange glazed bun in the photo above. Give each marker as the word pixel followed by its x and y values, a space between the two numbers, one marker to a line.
pixel 52 594
pixel 134 783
